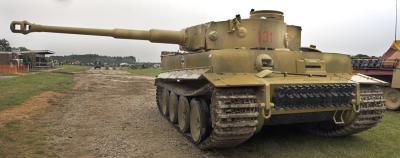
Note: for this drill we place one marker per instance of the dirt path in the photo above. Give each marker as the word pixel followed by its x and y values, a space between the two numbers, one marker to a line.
pixel 113 114
pixel 6 77
pixel 23 111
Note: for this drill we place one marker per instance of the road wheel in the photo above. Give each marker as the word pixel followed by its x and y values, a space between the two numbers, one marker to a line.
pixel 183 114
pixel 164 102
pixel 173 107
pixel 392 98
pixel 198 120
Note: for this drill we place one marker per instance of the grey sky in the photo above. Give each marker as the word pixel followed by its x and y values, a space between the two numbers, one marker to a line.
pixel 344 26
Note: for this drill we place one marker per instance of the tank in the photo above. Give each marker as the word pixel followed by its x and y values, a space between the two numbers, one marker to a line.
pixel 234 77
pixel 386 68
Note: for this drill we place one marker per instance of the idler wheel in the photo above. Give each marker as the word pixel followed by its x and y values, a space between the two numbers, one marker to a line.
pixel 183 114
pixel 164 102
pixel 173 107
pixel 392 98
pixel 198 120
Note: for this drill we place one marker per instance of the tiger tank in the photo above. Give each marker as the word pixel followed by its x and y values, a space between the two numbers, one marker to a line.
pixel 232 78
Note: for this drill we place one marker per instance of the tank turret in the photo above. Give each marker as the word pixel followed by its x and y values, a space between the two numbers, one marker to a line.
pixel 264 29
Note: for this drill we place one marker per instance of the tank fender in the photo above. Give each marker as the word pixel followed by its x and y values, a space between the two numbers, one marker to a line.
pixel 364 79
pixel 193 74
pixel 233 79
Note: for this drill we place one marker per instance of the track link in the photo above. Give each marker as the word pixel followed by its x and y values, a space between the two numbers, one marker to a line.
pixel 371 111
pixel 158 97
pixel 234 113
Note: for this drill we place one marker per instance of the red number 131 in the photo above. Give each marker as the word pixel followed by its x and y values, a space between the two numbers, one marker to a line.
pixel 264 37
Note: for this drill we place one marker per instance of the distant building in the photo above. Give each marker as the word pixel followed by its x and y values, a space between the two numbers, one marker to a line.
pixel 22 61
pixel 5 58
pixel 10 58
pixel 124 65
pixel 11 62
pixel 156 65
pixel 76 62
pixel 36 59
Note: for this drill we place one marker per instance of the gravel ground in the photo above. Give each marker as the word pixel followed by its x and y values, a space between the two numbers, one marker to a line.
pixel 113 114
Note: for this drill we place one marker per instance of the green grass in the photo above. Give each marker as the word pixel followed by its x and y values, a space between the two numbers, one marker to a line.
pixel 382 141
pixel 73 69
pixel 20 138
pixel 145 71
pixel 28 139
pixel 16 90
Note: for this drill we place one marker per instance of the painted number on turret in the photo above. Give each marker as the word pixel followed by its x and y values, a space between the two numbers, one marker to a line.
pixel 264 37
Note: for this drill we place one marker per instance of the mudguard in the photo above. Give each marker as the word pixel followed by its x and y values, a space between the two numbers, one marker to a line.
pixel 233 79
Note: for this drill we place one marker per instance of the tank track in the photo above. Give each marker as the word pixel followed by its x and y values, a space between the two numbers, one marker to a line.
pixel 306 96
pixel 372 109
pixel 234 113
pixel 158 97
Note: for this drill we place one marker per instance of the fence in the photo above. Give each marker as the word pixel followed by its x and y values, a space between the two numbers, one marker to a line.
pixel 13 69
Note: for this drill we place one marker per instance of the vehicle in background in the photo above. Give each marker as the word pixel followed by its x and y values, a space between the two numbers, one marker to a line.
pixel 98 65
pixel 386 68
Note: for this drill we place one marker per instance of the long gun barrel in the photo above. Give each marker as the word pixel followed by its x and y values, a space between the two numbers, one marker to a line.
pixel 153 35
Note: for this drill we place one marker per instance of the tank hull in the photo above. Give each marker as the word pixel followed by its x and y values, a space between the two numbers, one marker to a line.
pixel 241 100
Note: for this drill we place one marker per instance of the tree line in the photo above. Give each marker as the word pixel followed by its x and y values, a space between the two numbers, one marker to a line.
pixel 88 59
pixel 5 46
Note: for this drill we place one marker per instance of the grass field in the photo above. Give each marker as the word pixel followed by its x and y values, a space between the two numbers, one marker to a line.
pixel 72 69
pixel 145 71
pixel 16 90
pixel 6 74
pixel 29 140
pixel 382 141
pixel 21 138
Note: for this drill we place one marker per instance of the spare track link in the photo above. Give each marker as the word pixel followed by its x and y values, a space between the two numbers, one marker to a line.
pixel 234 113
pixel 371 111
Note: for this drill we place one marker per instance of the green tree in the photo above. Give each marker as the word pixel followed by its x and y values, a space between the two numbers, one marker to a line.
pixel 361 56
pixel 5 45
pixel 23 48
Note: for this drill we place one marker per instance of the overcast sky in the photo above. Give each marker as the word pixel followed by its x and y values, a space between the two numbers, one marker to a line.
pixel 344 26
